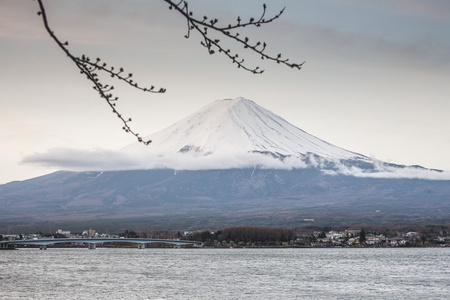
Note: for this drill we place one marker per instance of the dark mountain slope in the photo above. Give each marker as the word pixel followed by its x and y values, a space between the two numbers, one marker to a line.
pixel 234 193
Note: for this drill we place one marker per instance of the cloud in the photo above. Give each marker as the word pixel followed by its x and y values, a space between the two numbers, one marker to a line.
pixel 81 160
pixel 12 20
pixel 105 22
pixel 432 9
pixel 409 34
pixel 388 171
pixel 106 160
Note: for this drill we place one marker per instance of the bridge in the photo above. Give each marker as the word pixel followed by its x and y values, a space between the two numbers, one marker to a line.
pixel 92 242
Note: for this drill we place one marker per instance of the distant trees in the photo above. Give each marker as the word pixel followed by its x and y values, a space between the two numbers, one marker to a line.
pixel 203 236
pixel 322 235
pixel 362 236
pixel 129 234
pixel 257 234
pixel 247 235
pixel 58 235
pixel 205 26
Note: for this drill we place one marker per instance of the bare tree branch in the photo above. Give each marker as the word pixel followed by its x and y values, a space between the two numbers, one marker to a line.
pixel 90 67
pixel 204 25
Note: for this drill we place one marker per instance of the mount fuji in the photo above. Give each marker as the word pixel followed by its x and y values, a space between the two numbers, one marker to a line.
pixel 232 163
pixel 238 133
pixel 241 126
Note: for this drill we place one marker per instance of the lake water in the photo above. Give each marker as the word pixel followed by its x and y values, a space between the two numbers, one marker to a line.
pixel 404 273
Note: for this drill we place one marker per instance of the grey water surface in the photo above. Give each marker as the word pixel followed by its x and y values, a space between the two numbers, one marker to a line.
pixel 123 273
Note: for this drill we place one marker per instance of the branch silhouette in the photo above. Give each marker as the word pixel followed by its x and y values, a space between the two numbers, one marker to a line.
pixel 91 68
pixel 204 25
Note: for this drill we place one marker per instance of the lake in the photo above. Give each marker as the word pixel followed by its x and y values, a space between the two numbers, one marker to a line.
pixel 168 273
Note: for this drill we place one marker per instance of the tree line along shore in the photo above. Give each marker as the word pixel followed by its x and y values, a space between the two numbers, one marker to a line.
pixel 311 236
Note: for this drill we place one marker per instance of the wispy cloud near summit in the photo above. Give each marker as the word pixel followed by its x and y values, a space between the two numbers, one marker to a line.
pixel 106 160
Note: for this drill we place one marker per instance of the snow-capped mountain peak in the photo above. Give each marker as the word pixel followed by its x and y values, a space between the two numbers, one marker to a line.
pixel 238 133
pixel 237 126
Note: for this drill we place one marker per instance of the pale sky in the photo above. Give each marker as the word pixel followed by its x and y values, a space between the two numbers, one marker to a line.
pixel 375 81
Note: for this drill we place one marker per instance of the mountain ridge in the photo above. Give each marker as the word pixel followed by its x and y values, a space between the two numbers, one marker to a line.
pixel 234 196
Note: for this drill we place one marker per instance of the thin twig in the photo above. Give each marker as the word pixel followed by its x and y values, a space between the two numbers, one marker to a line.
pixel 89 68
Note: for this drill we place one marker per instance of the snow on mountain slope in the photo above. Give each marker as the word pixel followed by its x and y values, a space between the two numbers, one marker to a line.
pixel 238 133
pixel 233 126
